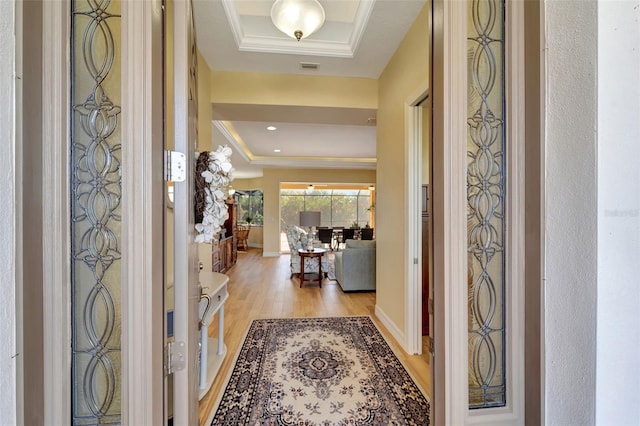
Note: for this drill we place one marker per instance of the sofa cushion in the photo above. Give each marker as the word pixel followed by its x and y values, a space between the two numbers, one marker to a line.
pixel 357 244
pixel 356 266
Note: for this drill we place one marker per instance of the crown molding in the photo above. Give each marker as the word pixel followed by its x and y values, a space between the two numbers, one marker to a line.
pixel 234 140
pixel 318 162
pixel 290 46
pixel 264 42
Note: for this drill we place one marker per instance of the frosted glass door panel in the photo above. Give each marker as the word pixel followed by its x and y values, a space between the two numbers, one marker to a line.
pixel 486 203
pixel 95 209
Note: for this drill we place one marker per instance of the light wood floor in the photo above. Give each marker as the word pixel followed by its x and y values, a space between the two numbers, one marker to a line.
pixel 259 287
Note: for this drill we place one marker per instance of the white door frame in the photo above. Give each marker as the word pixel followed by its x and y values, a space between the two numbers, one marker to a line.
pixel 56 64
pixel 142 224
pixel 185 283
pixel 449 212
pixel 142 214
pixel 413 183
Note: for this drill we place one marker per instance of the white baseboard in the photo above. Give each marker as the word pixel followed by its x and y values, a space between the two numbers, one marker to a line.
pixel 270 254
pixel 392 328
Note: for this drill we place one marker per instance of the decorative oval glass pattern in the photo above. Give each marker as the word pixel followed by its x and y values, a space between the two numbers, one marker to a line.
pixel 95 209
pixel 485 203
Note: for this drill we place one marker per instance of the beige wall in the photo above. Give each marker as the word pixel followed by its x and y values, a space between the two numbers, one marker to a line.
pixel 255 183
pixel 405 73
pixel 287 89
pixel 271 188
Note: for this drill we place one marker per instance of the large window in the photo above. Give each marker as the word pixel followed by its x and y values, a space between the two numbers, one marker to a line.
pixel 250 206
pixel 338 207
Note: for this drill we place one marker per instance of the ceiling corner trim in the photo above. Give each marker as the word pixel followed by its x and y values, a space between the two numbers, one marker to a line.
pixel 234 20
pixel 365 8
pixel 293 47
pixel 234 140
pixel 326 163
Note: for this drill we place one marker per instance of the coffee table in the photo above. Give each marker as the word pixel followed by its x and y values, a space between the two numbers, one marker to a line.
pixel 315 254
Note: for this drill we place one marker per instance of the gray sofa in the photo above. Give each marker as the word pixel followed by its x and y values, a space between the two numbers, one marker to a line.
pixel 356 265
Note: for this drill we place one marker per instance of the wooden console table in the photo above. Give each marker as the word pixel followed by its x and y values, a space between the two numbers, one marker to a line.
pixel 317 254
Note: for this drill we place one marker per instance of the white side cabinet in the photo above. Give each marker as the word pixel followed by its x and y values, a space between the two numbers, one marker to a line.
pixel 212 350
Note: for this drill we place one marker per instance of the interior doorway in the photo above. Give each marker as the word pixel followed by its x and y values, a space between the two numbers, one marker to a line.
pixel 418 178
pixel 426 243
pixel 419 290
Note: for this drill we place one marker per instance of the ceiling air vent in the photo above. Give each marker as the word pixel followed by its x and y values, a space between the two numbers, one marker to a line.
pixel 309 66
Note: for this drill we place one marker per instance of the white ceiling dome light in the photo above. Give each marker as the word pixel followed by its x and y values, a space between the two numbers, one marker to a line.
pixel 297 18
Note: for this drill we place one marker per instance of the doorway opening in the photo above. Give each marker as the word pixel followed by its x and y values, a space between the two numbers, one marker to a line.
pixel 419 317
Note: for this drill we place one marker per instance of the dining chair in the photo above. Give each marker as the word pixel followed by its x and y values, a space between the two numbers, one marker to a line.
pixel 243 236
pixel 347 234
pixel 366 234
pixel 325 235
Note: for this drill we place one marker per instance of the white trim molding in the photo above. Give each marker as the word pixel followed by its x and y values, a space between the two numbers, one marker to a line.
pixel 142 214
pixel 271 254
pixel 449 209
pixel 390 326
pixel 11 356
pixel 56 222
pixel 269 40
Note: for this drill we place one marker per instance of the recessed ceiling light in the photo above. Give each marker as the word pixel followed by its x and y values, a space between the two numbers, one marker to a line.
pixel 271 128
pixel 276 150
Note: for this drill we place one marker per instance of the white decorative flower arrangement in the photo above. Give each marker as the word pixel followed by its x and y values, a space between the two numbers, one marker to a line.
pixel 214 172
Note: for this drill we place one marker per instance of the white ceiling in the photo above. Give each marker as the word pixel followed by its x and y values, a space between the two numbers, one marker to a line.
pixel 357 40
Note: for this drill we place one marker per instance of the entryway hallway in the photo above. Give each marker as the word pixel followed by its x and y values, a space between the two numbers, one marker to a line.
pixel 259 287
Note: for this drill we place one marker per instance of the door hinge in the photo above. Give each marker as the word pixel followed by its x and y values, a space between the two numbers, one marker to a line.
pixel 432 346
pixel 431 307
pixel 175 166
pixel 174 357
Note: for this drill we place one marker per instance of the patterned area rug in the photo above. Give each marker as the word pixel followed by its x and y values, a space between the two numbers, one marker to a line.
pixel 319 371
